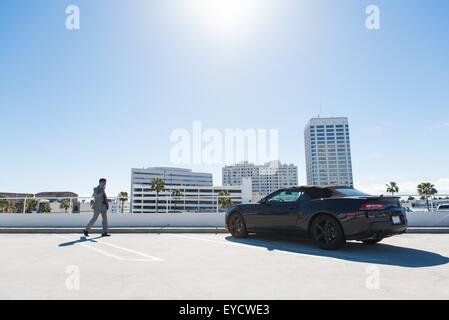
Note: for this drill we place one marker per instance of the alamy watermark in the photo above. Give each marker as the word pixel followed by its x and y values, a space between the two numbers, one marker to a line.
pixel 72 282
pixel 372 281
pixel 72 21
pixel 372 22
pixel 216 147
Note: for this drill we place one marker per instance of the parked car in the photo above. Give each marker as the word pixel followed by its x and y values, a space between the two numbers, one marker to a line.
pixel 329 215
pixel 443 206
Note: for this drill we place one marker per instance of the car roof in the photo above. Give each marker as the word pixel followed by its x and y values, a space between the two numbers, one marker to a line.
pixel 319 191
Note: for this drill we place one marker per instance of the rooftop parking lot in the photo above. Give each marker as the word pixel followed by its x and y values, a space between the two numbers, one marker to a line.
pixel 216 266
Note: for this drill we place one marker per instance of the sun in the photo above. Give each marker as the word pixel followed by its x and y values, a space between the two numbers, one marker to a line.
pixel 228 16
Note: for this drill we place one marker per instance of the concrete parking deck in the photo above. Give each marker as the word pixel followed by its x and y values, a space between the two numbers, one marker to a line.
pixel 216 266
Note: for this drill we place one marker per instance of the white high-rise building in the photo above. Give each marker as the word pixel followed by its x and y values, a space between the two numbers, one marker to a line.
pixel 265 179
pixel 328 152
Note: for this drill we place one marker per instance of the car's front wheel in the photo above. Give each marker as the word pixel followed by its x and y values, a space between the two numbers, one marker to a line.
pixel 237 226
pixel 327 233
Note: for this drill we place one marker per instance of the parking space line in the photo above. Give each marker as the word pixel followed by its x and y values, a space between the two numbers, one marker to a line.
pixel 145 257
pixel 261 245
pixel 107 254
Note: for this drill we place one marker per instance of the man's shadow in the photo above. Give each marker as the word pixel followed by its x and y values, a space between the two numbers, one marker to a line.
pixel 81 240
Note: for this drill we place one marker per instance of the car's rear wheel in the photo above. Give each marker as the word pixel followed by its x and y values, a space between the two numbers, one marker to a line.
pixel 327 233
pixel 371 241
pixel 237 226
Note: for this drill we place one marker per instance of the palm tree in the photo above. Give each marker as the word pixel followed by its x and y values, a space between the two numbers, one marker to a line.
pixel 176 195
pixel 29 204
pixel 45 207
pixel 65 204
pixel 7 206
pixel 123 196
pixel 426 189
pixel 3 203
pixel 157 185
pixel 224 200
pixel 392 188
pixel 10 207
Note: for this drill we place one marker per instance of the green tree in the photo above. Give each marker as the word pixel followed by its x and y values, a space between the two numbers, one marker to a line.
pixel 45 207
pixel 30 205
pixel 3 203
pixel 10 207
pixel 176 194
pixel 425 190
pixel 123 196
pixel 7 206
pixel 224 199
pixel 157 185
pixel 392 187
pixel 65 205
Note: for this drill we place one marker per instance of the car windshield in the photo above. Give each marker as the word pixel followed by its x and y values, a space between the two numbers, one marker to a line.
pixel 351 192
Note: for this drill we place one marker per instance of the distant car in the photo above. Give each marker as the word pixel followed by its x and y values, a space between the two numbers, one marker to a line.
pixel 408 210
pixel 444 206
pixel 329 215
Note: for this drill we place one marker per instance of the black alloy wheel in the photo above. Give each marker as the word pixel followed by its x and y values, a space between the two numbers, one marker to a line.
pixel 237 226
pixel 327 233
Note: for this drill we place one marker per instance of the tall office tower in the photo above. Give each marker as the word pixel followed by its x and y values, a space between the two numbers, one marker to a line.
pixel 328 152
pixel 264 178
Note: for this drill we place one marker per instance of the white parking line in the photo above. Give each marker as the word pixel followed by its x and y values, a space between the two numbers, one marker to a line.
pixel 282 248
pixel 144 256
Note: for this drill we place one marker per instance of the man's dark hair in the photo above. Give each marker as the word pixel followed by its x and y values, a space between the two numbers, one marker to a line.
pixel 102 180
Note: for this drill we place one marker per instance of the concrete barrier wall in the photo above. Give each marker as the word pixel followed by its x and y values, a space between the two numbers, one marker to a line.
pixel 428 219
pixel 115 220
pixel 416 219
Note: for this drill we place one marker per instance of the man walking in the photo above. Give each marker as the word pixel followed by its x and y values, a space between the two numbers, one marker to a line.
pixel 101 205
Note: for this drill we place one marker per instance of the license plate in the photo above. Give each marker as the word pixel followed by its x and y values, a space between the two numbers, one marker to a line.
pixel 396 220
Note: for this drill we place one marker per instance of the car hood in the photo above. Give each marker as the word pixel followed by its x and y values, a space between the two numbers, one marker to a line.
pixel 241 207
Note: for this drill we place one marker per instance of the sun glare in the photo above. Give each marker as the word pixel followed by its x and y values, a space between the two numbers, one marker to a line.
pixel 228 16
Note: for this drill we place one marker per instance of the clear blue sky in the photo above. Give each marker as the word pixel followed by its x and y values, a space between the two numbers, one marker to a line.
pixel 77 105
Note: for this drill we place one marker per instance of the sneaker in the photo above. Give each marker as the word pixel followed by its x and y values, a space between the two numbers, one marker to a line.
pixel 105 235
pixel 86 234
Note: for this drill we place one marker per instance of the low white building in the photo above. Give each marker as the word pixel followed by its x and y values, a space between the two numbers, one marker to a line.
pixel 191 198
pixel 117 206
pixel 265 179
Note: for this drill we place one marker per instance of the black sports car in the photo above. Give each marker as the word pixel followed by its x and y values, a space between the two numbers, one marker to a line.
pixel 329 215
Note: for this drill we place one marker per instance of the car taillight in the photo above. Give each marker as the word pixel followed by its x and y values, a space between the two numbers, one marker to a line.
pixel 351 214
pixel 371 207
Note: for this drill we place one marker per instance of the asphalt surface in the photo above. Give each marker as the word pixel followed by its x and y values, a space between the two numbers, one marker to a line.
pixel 216 266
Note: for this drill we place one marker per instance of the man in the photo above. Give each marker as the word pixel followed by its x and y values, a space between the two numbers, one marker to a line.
pixel 100 205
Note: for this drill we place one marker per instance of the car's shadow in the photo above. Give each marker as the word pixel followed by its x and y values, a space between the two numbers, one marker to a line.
pixel 81 240
pixel 380 253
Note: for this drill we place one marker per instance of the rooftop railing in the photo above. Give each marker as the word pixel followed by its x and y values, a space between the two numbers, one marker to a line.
pixel 169 204
pixel 117 205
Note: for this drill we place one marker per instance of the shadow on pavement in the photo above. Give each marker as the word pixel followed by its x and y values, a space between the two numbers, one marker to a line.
pixel 384 254
pixel 81 240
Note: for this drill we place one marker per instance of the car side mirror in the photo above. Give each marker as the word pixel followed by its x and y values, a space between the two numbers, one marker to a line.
pixel 264 201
